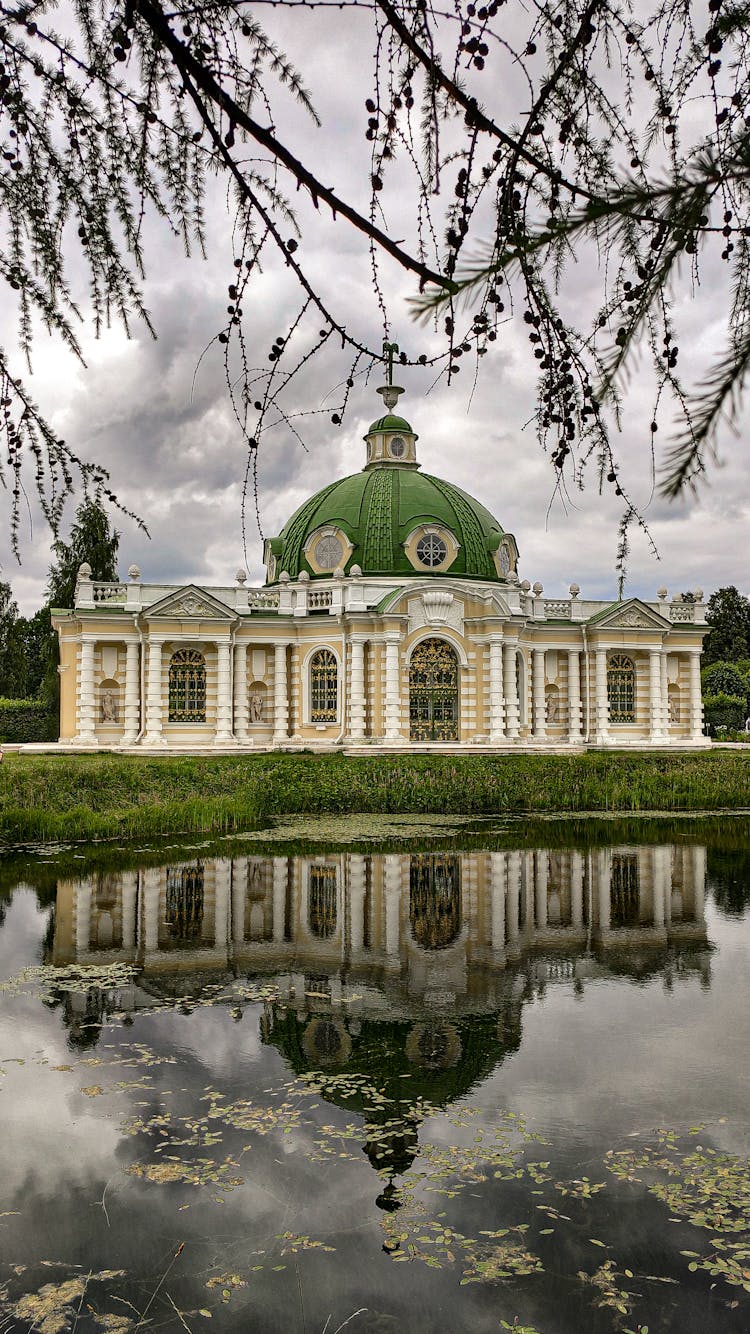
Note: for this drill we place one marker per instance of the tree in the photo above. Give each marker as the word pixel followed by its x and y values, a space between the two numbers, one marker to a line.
pixel 12 658
pixel 630 150
pixel 728 614
pixel 91 541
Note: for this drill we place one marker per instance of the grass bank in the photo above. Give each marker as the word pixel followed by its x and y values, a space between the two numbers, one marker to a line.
pixel 109 796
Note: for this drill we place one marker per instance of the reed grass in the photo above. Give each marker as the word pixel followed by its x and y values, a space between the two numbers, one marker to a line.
pixel 108 796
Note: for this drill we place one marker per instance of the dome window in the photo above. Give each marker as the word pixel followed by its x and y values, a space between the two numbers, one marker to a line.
pixel 329 552
pixel 397 447
pixel 327 549
pixel 431 550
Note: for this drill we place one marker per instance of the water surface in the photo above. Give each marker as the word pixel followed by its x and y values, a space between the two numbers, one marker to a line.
pixel 434 1088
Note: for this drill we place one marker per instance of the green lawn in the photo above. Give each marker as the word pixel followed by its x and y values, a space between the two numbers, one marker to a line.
pixel 107 796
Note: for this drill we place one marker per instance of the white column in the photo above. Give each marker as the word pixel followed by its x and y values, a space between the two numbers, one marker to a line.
pixel 239 894
pixel 392 887
pixel 600 695
pixel 513 896
pixel 497 901
pixel 497 699
pixel 576 890
pixel 662 886
pixel 223 734
pixel 357 689
pixel 696 699
pixel 280 873
pixel 602 862
pixel 392 688
pixel 527 862
pixel 664 693
pixel 129 901
pixel 537 687
pixel 154 735
pixel 86 735
pixel 132 711
pixel 698 858
pixel 151 890
pixel 574 696
pixel 222 895
pixel 511 691
pixel 240 693
pixel 280 695
pixel 357 888
pixel 83 917
pixel 541 875
pixel 655 711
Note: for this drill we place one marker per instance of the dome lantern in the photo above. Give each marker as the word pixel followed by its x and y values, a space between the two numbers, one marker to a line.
pixel 390 440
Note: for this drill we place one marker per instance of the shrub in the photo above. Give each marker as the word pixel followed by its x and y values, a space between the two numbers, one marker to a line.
pixel 722 710
pixel 26 720
pixel 725 678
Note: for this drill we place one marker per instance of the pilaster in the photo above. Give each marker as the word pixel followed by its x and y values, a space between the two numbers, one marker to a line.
pixel 154 736
pixel 497 698
pixel 510 691
pixel 132 710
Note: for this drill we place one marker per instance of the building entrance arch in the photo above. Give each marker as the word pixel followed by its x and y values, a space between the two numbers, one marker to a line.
pixel 433 692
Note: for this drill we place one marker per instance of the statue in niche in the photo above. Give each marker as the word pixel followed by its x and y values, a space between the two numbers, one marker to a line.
pixel 109 706
pixel 552 707
pixel 256 708
pixel 674 709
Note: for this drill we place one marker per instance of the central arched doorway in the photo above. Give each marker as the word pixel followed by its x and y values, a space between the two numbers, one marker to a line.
pixel 433 692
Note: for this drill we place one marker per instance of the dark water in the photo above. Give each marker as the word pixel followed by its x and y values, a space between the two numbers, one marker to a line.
pixel 429 1090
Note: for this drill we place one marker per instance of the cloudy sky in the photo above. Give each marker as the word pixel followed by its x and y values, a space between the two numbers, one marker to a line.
pixel 157 414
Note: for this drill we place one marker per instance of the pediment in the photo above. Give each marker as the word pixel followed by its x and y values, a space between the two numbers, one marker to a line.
pixel 192 603
pixel 630 615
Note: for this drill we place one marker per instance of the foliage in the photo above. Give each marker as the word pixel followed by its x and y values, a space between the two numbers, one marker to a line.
pixel 728 615
pixel 121 111
pixel 725 678
pixel 91 541
pixel 104 796
pixel 12 662
pixel 724 711
pixel 26 720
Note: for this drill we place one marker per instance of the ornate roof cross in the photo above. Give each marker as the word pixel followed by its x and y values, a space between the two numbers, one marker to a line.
pixel 390 391
pixel 388 352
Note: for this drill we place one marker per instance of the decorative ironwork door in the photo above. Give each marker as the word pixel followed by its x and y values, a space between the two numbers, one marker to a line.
pixel 434 899
pixel 433 692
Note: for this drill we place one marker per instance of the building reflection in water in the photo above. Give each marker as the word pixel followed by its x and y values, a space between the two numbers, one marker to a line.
pixel 399 967
pixel 411 934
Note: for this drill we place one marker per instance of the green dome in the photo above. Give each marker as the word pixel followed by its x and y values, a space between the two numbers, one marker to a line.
pixel 377 510
pixel 390 423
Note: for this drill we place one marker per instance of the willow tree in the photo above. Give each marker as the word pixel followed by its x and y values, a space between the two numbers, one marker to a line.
pixel 511 140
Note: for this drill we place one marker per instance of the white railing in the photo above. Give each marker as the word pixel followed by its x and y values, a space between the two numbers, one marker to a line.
pixel 263 600
pixel 682 612
pixel 109 592
pixel 318 599
pixel 558 610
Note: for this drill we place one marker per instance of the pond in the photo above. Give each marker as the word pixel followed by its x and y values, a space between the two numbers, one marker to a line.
pixel 474 1079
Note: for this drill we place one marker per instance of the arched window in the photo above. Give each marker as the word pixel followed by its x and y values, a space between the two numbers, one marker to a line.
pixel 322 908
pixel 621 688
pixel 187 687
pixel 324 682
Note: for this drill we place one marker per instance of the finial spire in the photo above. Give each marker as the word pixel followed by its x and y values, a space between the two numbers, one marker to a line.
pixel 390 391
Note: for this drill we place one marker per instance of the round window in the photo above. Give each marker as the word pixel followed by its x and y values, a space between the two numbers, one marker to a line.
pixel 329 552
pixel 431 550
pixel 503 560
pixel 397 447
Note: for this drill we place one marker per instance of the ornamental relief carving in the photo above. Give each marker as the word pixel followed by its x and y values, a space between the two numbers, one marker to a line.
pixel 633 619
pixel 192 606
pixel 436 607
